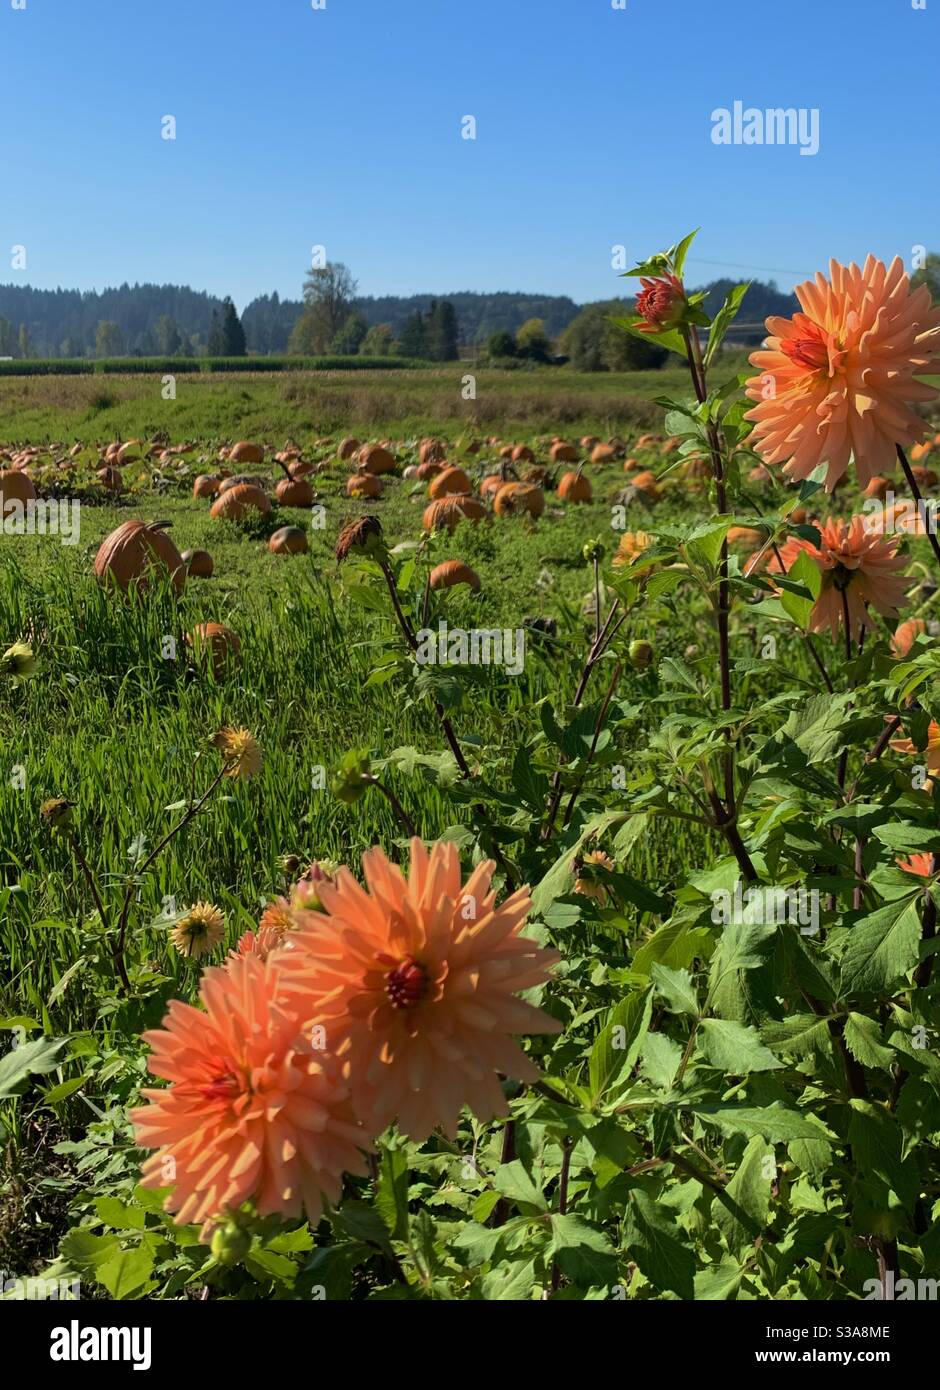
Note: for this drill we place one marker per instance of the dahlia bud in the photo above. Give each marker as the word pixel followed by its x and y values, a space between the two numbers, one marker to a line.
pixel 661 303
pixel 305 896
pixel 350 783
pixel 592 550
pixel 230 1244
pixel 362 537
pixel 18 661
pixel 57 814
pixel 641 655
pixel 289 864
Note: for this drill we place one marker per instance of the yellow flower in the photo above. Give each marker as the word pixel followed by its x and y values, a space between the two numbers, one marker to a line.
pixel 199 930
pixel 241 752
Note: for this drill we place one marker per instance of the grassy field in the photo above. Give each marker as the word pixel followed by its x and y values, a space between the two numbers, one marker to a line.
pixel 118 719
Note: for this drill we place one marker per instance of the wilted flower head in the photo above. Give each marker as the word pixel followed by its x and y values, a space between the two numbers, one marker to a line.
pixel 416 979
pixel 840 379
pixel 240 752
pixel 57 813
pixel 18 661
pixel 858 568
pixel 360 537
pixel 631 547
pixel 199 930
pixel 592 887
pixel 252 1110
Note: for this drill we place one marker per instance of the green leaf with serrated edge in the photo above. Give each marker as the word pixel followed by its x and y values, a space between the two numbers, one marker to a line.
pixel 582 1251
pixel 658 1246
pixel 747 1210
pixel 718 1281
pixel 734 1048
pixel 863 1039
pixel 797 1033
pixel 391 1197
pixel 509 1282
pixel 33 1058
pixel 120 1215
pixel 617 1047
pixel 776 1123
pixel 882 948
pixel 677 988
pixel 513 1182
pixel 659 1060
pixel 876 1140
pixel 126 1273
pixel 805 573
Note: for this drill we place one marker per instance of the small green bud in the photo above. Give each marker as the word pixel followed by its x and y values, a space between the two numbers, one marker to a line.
pixel 641 655
pixel 230 1244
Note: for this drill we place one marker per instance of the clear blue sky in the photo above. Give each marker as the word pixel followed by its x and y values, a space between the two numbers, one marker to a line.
pixel 342 127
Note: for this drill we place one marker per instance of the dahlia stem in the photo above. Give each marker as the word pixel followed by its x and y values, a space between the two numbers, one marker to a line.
pixel 598 725
pixel 567 1147
pixel 919 499
pixel 395 804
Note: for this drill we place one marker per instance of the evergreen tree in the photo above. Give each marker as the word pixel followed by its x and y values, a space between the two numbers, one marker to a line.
pixel 442 331
pixel 233 335
pixel 414 337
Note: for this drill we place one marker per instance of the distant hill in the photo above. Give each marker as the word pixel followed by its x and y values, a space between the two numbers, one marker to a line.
pixel 61 323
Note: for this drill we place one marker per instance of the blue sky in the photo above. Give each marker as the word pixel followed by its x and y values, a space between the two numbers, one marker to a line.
pixel 341 127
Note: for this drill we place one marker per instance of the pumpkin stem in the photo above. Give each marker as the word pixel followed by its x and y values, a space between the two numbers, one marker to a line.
pixel 159 525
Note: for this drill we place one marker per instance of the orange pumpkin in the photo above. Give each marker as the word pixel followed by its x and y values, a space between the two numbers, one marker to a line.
pixel 239 480
pixel 216 643
pixel 348 448
pixel 514 498
pixel 491 484
pixel 451 481
pixel 448 511
pixel 128 557
pixel 363 485
pixel 15 486
pixel 563 453
pixel 238 502
pixel 451 572
pixel 603 453
pixel 645 482
pixel 199 564
pixel 924 477
pixel 110 479
pixel 289 540
pixel 294 492
pixel 206 485
pixel 522 454
pixel 432 451
pixel 429 469
pixel 374 459
pixel 245 452
pixel 574 487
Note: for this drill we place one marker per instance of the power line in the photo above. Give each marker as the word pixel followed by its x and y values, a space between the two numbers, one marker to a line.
pixel 738 265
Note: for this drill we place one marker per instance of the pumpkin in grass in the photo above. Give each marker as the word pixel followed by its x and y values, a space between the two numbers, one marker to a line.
pixel 246 452
pixel 603 453
pixel 294 492
pixel 588 441
pixel 15 486
pixel 749 536
pixel 215 643
pixel 491 484
pixel 574 487
pixel 348 448
pixel 302 468
pixel 523 454
pixel 375 459
pixel 432 451
pixel 562 452
pixel 646 483
pixel 199 564
pixel 451 572
pixel 110 479
pixel 237 502
pixel 449 511
pixel 430 469
pixel 878 487
pixel 451 481
pixel 206 485
pixel 289 540
pixel 924 477
pixel 363 485
pixel 134 552
pixel 515 498
pixel 238 481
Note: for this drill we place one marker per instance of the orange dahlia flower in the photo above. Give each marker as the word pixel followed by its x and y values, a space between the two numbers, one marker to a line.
pixel 905 635
pixel 839 379
pixel 259 943
pixel 853 562
pixel 919 864
pixel 414 982
pixel 252 1109
pixel 930 754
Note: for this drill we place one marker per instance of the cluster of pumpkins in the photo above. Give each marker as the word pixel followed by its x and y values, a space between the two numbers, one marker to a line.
pixel 237 496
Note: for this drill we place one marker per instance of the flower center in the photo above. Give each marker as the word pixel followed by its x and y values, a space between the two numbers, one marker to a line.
pixel 842 577
pixel 225 1087
pixel 407 984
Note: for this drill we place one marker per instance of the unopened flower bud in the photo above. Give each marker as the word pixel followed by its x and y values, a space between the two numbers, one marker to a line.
pixel 641 654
